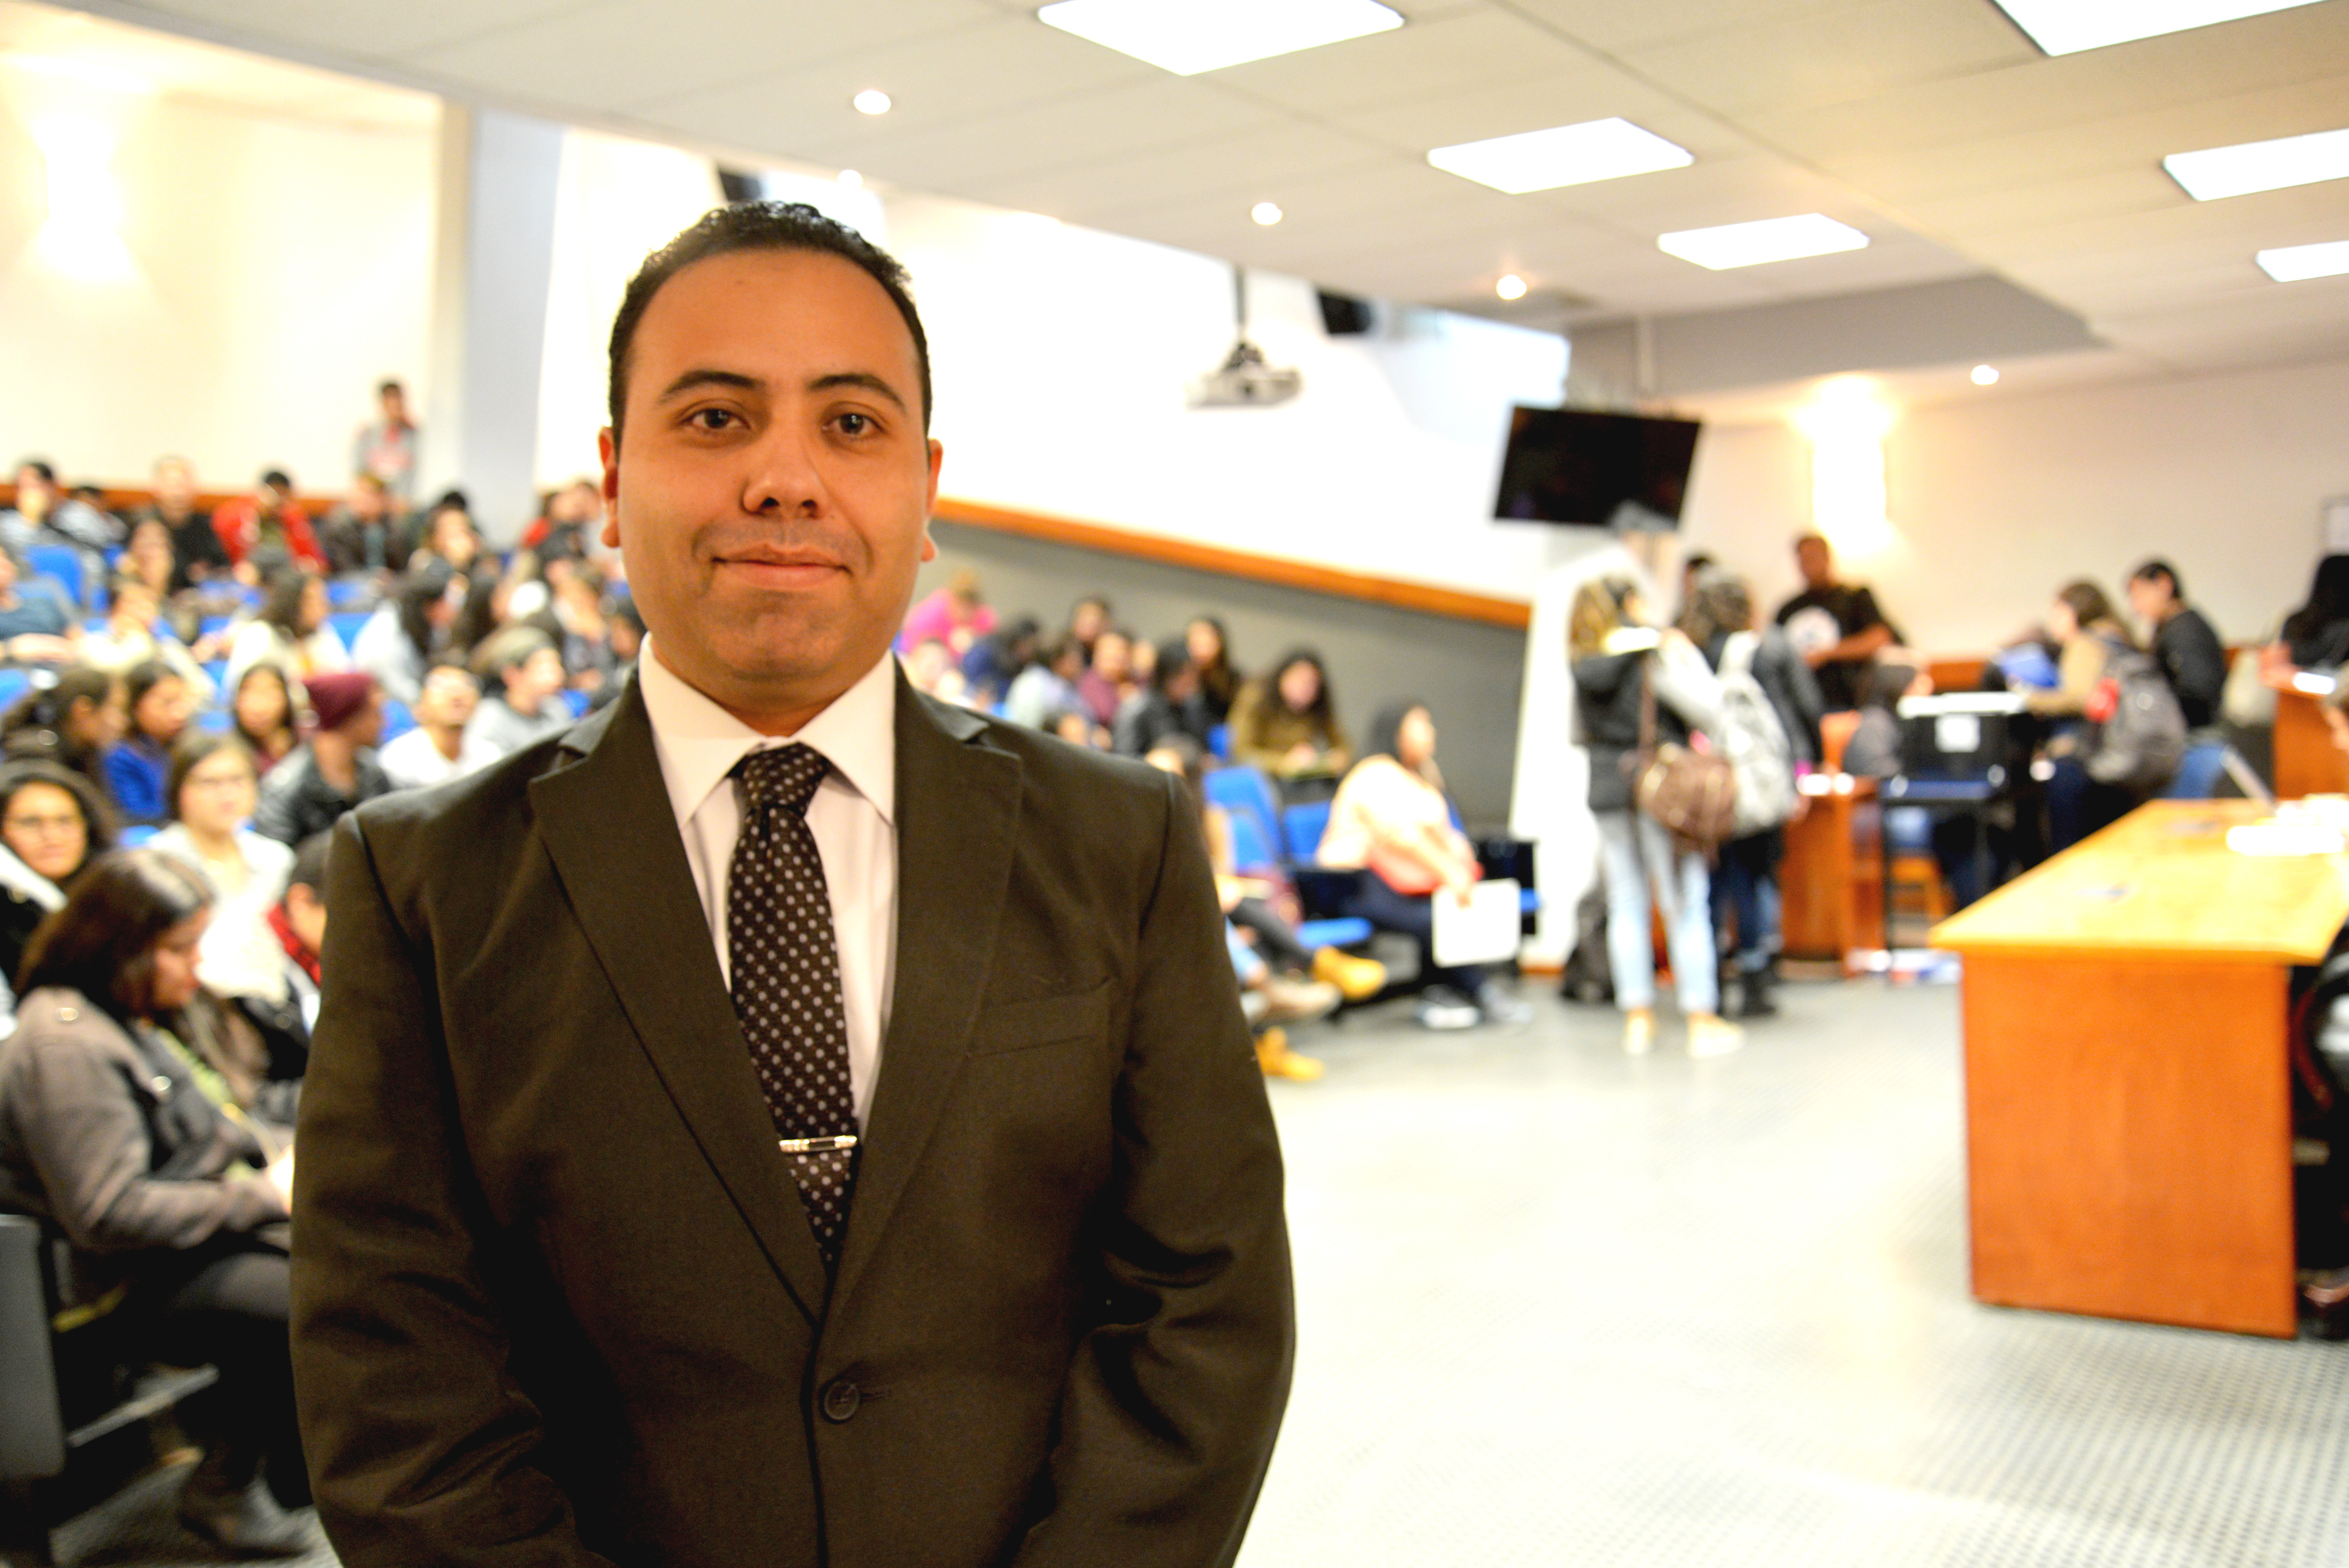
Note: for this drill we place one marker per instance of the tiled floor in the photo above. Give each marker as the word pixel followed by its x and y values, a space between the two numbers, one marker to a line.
pixel 1560 1307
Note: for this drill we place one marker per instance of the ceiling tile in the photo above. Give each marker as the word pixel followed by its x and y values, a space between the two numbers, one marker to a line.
pixel 351 29
pixel 628 53
pixel 1609 25
pixel 1827 57
pixel 1243 168
pixel 1469 52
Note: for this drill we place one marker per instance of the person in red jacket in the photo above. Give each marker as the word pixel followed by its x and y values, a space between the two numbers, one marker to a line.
pixel 268 527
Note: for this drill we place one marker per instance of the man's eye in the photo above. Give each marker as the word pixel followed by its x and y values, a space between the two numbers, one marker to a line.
pixel 710 418
pixel 855 425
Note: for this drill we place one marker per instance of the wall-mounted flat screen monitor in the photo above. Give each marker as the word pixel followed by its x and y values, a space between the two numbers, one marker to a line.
pixel 1619 470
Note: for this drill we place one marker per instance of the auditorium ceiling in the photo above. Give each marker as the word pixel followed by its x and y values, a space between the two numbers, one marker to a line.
pixel 1933 126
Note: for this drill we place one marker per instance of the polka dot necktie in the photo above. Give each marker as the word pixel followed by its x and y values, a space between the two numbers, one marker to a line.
pixel 785 969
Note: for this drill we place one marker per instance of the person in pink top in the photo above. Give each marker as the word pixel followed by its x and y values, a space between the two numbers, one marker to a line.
pixel 955 615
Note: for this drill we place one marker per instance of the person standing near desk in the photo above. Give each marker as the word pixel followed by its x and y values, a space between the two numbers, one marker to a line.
pixel 1835 625
pixel 784 1120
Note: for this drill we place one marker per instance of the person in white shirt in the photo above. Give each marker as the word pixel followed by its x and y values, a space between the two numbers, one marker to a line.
pixel 213 792
pixel 439 749
pixel 396 643
pixel 522 690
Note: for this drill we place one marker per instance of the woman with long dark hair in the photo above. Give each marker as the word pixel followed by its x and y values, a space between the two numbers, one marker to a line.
pixel 2316 634
pixel 73 722
pixel 139 768
pixel 52 823
pixel 1286 722
pixel 172 1197
pixel 396 643
pixel 1211 655
pixel 289 631
pixel 1391 821
pixel 2087 633
pixel 262 715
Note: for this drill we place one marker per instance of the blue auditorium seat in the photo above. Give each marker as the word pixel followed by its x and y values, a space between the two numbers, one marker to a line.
pixel 14 684
pixel 1301 827
pixel 1251 849
pixel 397 720
pixel 346 624
pixel 1244 791
pixel 62 562
pixel 1219 742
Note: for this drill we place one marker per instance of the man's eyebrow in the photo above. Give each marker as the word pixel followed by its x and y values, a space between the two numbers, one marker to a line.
pixel 694 379
pixel 865 378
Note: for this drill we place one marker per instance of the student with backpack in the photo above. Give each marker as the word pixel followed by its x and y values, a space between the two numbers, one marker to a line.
pixel 1769 730
pixel 2116 732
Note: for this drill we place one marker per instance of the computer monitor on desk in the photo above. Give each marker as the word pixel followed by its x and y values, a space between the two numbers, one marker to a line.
pixel 1961 737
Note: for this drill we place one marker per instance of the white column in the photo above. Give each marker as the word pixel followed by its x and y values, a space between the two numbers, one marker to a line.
pixel 490 264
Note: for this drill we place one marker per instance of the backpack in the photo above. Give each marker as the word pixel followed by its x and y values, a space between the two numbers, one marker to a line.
pixel 1753 739
pixel 2141 728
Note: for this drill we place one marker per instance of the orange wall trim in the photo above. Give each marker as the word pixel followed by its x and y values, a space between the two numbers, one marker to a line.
pixel 1515 614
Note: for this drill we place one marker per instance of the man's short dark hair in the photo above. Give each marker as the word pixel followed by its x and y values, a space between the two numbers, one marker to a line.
pixel 389 384
pixel 40 466
pixel 310 864
pixel 277 478
pixel 2157 568
pixel 759 226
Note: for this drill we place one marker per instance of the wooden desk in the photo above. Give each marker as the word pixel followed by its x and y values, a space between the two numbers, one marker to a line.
pixel 2128 1103
pixel 2306 761
pixel 1829 888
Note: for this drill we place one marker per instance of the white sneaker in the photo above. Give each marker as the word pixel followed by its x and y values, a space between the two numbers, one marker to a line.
pixel 1440 1007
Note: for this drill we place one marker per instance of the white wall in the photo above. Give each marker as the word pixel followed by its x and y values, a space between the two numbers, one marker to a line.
pixel 1995 504
pixel 265 274
pixel 1062 357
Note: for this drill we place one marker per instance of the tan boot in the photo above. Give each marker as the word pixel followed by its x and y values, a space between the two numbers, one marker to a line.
pixel 1273 1055
pixel 1639 1030
pixel 1357 979
pixel 1709 1034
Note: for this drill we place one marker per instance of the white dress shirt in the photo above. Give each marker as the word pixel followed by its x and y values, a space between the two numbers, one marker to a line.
pixel 853 817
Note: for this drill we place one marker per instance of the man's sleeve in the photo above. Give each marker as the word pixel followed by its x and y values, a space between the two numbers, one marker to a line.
pixel 421 1445
pixel 1171 1407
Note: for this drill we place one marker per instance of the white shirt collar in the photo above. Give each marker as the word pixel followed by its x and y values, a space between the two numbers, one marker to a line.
pixel 700 741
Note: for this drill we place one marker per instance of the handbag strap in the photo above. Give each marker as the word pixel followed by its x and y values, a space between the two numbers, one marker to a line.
pixel 1648 706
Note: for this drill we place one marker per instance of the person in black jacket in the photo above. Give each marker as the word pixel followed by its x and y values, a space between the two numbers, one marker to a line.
pixel 117 1133
pixel 1616 654
pixel 1745 881
pixel 2184 643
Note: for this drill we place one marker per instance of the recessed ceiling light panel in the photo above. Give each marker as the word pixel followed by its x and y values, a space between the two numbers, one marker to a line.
pixel 1562 155
pixel 2068 26
pixel 1510 286
pixel 1771 240
pixel 1187 36
pixel 2218 171
pixel 872 100
pixel 2293 263
pixel 1266 213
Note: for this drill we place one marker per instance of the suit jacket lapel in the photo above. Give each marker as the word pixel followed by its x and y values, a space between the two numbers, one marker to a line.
pixel 957 817
pixel 609 828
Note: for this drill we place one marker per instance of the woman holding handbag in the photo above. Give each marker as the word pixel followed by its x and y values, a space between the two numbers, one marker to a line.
pixel 1638 694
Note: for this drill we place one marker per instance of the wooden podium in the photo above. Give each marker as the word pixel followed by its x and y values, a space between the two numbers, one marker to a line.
pixel 2129 1104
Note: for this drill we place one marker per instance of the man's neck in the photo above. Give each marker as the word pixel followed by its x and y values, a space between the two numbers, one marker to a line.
pixel 337 760
pixel 449 740
pixel 781 720
pixel 2169 612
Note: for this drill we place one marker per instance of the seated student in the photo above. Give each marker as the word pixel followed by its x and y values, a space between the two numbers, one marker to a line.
pixel 113 1131
pixel 1834 625
pixel 447 534
pixel 73 723
pixel 626 628
pixel 956 615
pixel 440 748
pixel 299 922
pixel 1617 655
pixel 997 660
pixel 575 619
pixel 197 554
pixel 1219 683
pixel 2087 633
pixel 261 715
pixel 53 824
pixel 146 558
pixel 214 793
pixel 397 642
pixel 362 533
pixel 1109 679
pixel 1393 822
pixel 1076 726
pixel 1046 687
pixel 131 638
pixel 268 531
pixel 332 771
pixel 1168 706
pixel 1280 981
pixel 2184 643
pixel 1088 618
pixel 44 515
pixel 1286 722
pixel 521 691
pixel 290 632
pixel 2315 637
pixel 138 771
pixel 35 629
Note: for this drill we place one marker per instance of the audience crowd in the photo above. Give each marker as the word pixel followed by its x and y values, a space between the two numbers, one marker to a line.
pixel 198 697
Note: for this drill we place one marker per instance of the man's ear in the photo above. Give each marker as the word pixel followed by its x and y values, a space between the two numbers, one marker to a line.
pixel 607 448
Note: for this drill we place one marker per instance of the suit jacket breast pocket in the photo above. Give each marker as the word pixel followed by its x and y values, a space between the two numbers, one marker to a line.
pixel 1046 1021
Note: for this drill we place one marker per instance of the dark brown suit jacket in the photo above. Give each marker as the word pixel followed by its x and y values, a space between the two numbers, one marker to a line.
pixel 556 1301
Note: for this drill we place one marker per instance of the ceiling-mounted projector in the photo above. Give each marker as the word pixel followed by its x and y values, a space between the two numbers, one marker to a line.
pixel 1243 380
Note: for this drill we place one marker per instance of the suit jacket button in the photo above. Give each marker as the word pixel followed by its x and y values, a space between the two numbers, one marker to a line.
pixel 841 1400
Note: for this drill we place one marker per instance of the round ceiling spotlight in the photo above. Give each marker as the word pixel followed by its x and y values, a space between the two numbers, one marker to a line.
pixel 1266 213
pixel 872 100
pixel 1986 375
pixel 1511 286
pixel 850 179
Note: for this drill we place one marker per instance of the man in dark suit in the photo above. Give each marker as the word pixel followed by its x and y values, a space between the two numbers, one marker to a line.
pixel 784 1120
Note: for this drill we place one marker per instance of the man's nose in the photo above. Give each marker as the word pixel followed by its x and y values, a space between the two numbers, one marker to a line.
pixel 784 478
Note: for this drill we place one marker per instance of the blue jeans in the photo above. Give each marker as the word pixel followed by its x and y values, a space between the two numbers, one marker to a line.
pixel 1632 851
pixel 1746 886
pixel 1413 917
